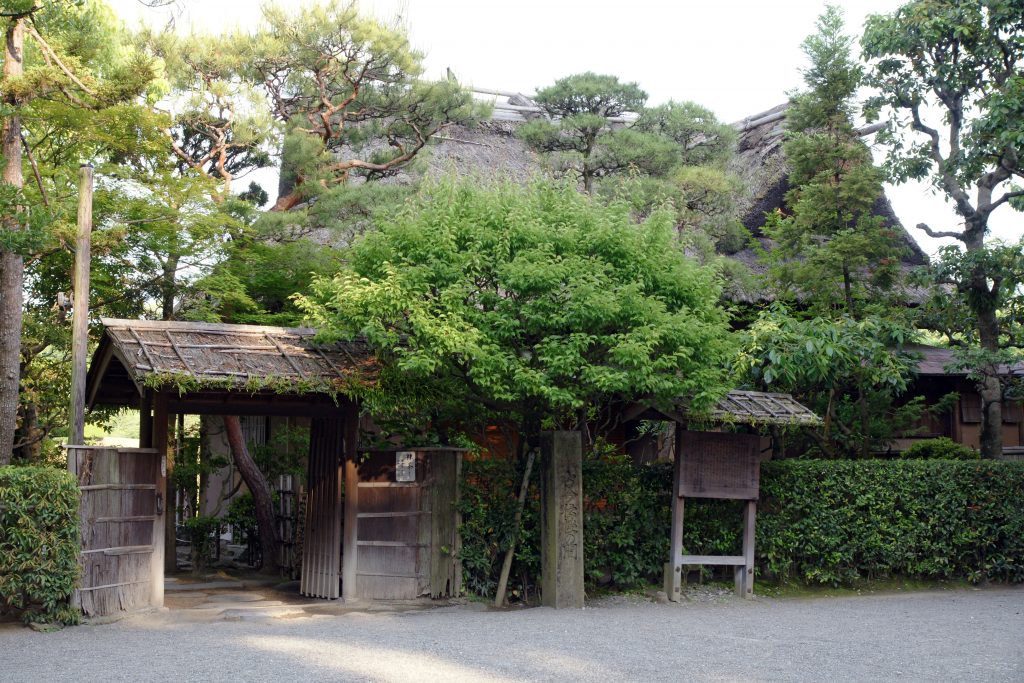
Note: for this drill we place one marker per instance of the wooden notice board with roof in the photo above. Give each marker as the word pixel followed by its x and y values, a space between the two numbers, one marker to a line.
pixel 723 465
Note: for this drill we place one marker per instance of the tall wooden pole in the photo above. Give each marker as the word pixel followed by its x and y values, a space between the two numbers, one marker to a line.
pixel 80 315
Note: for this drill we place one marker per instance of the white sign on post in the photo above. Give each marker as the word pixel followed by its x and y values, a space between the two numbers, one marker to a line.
pixel 405 466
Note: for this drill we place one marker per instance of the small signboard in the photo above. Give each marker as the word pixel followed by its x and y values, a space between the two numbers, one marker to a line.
pixel 720 465
pixel 405 466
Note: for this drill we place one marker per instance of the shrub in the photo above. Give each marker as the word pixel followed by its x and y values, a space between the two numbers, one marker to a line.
pixel 203 535
pixel 820 521
pixel 942 448
pixel 487 502
pixel 834 522
pixel 625 524
pixel 38 543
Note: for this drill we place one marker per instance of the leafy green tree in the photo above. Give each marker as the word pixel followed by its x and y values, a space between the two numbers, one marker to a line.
pixel 947 310
pixel 834 262
pixel 697 184
pixel 68 73
pixel 534 304
pixel 846 369
pixel 948 71
pixel 583 139
pixel 348 90
pixel 831 252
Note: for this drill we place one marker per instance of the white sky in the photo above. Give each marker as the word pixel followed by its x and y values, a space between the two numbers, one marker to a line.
pixel 737 57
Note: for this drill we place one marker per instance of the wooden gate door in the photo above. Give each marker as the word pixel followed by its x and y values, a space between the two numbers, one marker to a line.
pixel 121 514
pixel 407 533
pixel 321 548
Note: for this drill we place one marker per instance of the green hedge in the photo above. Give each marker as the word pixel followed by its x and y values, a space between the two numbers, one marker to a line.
pixel 827 522
pixel 835 522
pixel 942 448
pixel 38 543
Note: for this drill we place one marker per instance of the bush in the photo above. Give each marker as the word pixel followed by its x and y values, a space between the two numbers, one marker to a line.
pixel 942 448
pixel 38 543
pixel 833 522
pixel 487 502
pixel 203 536
pixel 826 522
pixel 625 525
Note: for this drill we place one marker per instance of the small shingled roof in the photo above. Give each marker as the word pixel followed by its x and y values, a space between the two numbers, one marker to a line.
pixel 758 407
pixel 736 407
pixel 242 356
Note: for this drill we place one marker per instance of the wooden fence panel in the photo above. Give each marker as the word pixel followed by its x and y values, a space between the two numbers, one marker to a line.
pixel 118 510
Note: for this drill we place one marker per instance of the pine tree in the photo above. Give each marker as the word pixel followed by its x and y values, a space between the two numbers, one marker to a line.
pixel 832 252
pixel 835 262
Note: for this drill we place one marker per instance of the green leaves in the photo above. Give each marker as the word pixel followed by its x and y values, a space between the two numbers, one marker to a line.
pixel 832 252
pixel 838 522
pixel 535 301
pixel 818 522
pixel 38 543
pixel 961 59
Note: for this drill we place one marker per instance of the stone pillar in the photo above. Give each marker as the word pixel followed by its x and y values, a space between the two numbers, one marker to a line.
pixel 561 496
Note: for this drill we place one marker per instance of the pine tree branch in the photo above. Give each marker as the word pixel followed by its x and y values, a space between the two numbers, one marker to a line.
pixel 35 171
pixel 46 49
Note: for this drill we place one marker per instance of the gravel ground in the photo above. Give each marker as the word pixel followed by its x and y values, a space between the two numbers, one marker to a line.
pixel 942 635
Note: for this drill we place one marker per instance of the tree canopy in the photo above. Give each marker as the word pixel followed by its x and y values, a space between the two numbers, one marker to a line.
pixel 582 137
pixel 948 75
pixel 530 302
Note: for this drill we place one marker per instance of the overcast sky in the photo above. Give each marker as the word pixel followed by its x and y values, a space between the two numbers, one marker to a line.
pixel 737 57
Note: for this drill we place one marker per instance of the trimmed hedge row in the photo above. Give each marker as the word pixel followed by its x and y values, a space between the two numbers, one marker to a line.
pixel 825 522
pixel 38 543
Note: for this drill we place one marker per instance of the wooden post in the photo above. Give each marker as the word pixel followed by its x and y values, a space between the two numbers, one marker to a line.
pixel 146 419
pixel 561 499
pixel 167 422
pixel 349 586
pixel 80 314
pixel 745 588
pixel 160 549
pixel 170 523
pixel 674 566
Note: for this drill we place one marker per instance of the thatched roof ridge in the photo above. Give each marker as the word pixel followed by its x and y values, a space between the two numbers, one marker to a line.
pixel 760 162
pixel 133 354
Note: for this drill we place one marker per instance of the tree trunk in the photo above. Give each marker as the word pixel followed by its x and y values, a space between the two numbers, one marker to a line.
pixel 12 265
pixel 983 304
pixel 167 287
pixel 260 489
pixel 517 520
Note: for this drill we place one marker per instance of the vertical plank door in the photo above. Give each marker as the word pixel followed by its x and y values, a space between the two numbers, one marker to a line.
pixel 119 514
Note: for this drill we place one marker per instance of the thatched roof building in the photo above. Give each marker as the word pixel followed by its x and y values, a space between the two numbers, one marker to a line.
pixel 491 150
pixel 761 165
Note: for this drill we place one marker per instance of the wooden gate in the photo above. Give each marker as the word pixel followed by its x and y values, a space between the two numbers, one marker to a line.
pixel 321 547
pixel 407 537
pixel 121 513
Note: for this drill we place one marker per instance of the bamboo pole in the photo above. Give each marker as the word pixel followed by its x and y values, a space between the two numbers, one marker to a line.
pixel 80 315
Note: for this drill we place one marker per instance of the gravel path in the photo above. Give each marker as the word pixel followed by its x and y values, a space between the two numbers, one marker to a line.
pixel 947 635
